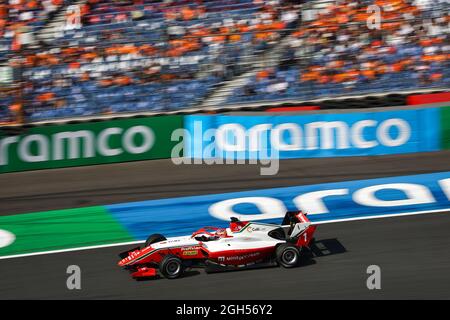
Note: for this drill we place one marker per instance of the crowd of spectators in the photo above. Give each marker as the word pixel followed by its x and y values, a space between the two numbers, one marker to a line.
pixel 140 55
pixel 342 51
pixel 20 18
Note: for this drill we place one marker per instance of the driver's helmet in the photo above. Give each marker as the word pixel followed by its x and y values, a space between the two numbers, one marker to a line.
pixel 221 233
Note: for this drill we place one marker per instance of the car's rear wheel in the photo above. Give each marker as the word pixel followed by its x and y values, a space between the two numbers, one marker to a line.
pixel 287 255
pixel 154 238
pixel 171 267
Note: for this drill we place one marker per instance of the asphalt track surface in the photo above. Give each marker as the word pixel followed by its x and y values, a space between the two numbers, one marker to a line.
pixel 412 251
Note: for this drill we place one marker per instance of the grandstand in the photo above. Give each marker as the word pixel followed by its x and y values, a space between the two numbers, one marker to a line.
pixel 96 57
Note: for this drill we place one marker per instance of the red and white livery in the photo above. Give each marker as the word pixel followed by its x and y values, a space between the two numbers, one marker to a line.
pixel 241 245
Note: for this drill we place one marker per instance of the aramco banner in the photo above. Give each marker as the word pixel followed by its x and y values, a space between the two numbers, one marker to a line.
pixel 309 136
pixel 90 143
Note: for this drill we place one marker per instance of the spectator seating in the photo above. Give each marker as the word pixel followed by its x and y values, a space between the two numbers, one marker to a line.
pixel 132 56
pixel 336 54
pixel 148 55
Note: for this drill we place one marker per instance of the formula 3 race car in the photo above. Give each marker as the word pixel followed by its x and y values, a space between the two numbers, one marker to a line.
pixel 241 245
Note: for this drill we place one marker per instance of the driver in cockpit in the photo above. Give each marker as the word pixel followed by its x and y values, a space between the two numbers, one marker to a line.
pixel 218 234
pixel 221 233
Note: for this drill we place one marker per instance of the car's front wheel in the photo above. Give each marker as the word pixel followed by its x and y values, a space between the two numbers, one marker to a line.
pixel 287 255
pixel 171 267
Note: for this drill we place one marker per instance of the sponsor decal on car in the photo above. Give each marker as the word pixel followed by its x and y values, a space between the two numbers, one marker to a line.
pixel 191 248
pixel 190 253
pixel 239 257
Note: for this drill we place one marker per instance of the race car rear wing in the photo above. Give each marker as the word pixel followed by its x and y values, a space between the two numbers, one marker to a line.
pixel 293 217
pixel 298 227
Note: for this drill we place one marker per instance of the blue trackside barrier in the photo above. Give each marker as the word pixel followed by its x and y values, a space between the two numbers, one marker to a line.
pixel 310 136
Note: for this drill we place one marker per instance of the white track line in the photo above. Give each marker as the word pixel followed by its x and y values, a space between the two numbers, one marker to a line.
pixel 383 216
pixel 71 249
pixel 141 241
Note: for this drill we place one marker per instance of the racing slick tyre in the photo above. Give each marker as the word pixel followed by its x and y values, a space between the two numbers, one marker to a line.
pixel 154 238
pixel 171 267
pixel 287 255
